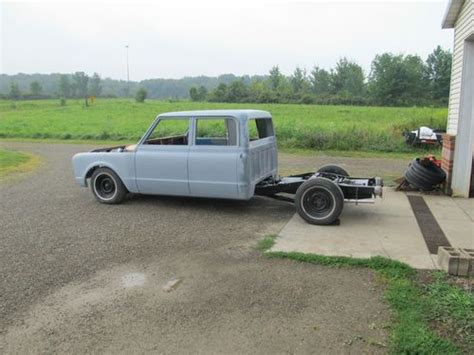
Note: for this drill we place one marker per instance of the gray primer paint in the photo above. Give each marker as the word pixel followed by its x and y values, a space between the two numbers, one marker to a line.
pixel 192 170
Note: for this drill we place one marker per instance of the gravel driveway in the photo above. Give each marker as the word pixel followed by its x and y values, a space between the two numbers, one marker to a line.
pixel 77 276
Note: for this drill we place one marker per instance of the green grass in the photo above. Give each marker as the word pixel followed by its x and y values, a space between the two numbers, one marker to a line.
pixel 266 243
pixel 13 162
pixel 337 128
pixel 453 308
pixel 432 318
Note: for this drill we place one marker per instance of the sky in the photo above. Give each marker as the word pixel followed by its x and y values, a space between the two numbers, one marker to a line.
pixel 177 38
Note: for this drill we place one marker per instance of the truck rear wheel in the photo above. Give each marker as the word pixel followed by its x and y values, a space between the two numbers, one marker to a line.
pixel 319 201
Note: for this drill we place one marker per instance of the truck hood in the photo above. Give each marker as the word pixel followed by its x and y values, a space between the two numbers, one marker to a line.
pixel 118 148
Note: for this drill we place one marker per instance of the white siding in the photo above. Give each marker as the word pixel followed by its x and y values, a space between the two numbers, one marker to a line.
pixel 463 29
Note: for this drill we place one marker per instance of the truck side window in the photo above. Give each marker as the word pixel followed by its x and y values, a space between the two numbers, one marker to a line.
pixel 220 131
pixel 260 128
pixel 169 132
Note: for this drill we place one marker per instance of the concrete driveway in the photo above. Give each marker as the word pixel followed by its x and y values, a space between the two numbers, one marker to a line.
pixel 77 276
pixel 386 228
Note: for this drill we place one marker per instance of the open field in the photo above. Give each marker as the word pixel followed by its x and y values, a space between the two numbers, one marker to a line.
pixel 340 128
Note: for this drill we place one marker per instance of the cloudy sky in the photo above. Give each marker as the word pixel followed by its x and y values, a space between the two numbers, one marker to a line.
pixel 176 38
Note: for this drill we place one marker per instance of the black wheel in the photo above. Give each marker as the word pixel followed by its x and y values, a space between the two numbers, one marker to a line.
pixel 319 201
pixel 333 169
pixel 107 186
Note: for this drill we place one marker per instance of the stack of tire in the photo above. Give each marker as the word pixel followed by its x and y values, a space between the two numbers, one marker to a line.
pixel 424 174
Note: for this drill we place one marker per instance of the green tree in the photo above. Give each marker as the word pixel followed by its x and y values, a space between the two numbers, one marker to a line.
pixel 298 81
pixel 320 81
pixel 64 86
pixel 275 78
pixel 397 79
pixel 141 95
pixel 198 93
pixel 347 78
pixel 438 73
pixel 202 93
pixel 193 93
pixel 219 94
pixel 261 93
pixel 95 88
pixel 15 93
pixel 237 92
pixel 81 85
pixel 35 88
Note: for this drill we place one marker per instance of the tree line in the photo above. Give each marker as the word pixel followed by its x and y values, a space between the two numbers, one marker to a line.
pixel 394 80
pixel 77 85
pixel 50 86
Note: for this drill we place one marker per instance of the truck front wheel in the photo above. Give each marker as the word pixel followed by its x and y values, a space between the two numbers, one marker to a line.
pixel 107 187
pixel 319 201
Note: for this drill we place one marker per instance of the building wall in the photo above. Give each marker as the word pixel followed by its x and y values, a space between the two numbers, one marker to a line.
pixel 463 29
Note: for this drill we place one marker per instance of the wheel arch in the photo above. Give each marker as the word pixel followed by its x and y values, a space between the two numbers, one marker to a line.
pixel 93 167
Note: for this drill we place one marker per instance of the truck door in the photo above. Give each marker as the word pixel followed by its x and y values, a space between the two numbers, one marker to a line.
pixel 213 156
pixel 161 160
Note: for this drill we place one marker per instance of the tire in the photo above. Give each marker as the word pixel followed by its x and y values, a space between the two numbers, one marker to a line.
pixel 430 170
pixel 417 181
pixel 424 175
pixel 107 187
pixel 333 169
pixel 319 201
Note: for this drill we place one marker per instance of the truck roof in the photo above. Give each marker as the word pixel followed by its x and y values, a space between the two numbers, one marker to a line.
pixel 242 115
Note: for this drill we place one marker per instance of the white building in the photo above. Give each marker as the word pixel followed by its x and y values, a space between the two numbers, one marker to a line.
pixel 458 146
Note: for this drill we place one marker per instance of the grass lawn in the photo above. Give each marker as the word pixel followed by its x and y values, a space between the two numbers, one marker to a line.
pixel 16 162
pixel 328 128
pixel 429 317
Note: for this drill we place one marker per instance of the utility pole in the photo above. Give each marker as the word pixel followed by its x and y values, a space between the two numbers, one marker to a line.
pixel 128 74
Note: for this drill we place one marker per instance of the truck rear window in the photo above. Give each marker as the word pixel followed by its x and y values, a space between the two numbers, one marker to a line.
pixel 216 131
pixel 260 128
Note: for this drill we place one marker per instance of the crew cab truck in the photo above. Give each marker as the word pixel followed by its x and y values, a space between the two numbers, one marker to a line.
pixel 230 154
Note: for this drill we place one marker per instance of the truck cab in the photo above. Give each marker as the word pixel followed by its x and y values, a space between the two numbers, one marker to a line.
pixel 221 154
pixel 216 153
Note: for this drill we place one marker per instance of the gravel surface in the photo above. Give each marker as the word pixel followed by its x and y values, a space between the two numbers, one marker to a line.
pixel 162 274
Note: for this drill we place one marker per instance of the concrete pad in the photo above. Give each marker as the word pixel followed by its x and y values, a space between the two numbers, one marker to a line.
pixel 387 228
pixel 467 205
pixel 445 207
pixel 455 218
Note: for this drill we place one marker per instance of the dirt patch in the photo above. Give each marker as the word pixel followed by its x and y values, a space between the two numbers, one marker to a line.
pixel 286 307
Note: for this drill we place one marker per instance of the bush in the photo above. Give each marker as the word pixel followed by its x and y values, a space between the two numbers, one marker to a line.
pixel 141 95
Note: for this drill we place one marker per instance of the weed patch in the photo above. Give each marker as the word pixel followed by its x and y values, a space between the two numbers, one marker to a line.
pixel 12 162
pixel 266 243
